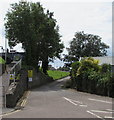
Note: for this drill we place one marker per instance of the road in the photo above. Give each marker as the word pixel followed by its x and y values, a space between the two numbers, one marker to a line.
pixel 51 101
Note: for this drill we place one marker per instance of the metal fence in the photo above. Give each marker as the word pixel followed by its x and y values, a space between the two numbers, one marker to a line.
pixel 15 66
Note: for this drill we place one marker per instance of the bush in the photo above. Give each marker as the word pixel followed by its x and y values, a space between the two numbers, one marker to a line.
pixel 86 68
pixel 93 78
pixel 90 77
pixel 105 68
pixel 75 67
pixel 88 63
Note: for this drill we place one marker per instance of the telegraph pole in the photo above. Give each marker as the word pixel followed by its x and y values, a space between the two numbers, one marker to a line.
pixel 5 50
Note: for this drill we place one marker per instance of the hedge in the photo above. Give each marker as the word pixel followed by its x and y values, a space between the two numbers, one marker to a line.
pixel 88 76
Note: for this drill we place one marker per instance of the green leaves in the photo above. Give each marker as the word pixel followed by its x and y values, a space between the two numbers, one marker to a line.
pixel 27 23
pixel 86 45
pixel 90 77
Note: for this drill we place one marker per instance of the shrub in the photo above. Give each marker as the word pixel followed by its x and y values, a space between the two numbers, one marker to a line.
pixel 87 67
pixel 75 67
pixel 105 68
pixel 93 78
pixel 90 77
pixel 88 63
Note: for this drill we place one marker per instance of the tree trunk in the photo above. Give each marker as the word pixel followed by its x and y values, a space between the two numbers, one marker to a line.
pixel 45 65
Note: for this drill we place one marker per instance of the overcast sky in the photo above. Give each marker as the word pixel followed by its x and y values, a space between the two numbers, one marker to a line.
pixel 93 17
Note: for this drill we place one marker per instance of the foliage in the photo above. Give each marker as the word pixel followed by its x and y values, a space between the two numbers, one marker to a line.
pixel 27 23
pixel 55 74
pixel 85 45
pixel 75 66
pixel 2 61
pixel 87 64
pixel 90 77
pixel 105 68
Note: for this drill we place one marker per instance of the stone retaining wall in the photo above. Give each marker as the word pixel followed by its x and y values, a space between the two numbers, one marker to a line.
pixel 15 92
pixel 39 79
pixel 2 68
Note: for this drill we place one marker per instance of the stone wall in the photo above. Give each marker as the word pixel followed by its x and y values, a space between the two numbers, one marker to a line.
pixel 39 79
pixel 15 92
pixel 2 68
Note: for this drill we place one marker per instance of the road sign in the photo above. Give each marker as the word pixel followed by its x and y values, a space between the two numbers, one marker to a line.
pixel 30 75
pixel 12 76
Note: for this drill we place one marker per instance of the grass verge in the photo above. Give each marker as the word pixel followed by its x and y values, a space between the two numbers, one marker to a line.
pixel 55 74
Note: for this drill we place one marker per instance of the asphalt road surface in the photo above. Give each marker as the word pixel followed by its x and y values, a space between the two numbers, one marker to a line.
pixel 51 101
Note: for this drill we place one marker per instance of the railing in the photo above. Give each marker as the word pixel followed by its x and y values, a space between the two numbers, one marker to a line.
pixel 16 66
pixel 13 68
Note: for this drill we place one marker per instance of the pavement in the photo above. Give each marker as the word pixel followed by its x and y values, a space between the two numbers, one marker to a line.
pixel 7 110
pixel 4 83
pixel 19 106
pixel 51 101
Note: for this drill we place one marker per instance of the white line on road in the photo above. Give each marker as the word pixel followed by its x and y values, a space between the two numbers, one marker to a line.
pixel 70 101
pixel 101 111
pixel 110 110
pixel 100 100
pixel 109 117
pixel 74 102
pixel 83 105
pixel 95 115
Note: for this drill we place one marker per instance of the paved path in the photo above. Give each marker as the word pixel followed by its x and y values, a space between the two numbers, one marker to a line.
pixel 50 101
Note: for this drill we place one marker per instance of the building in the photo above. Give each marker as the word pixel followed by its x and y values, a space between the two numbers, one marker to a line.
pixel 107 60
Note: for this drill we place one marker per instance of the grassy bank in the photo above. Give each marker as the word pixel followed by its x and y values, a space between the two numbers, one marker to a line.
pixel 57 74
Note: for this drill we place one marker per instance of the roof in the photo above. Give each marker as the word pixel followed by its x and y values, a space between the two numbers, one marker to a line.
pixel 103 59
pixel 106 59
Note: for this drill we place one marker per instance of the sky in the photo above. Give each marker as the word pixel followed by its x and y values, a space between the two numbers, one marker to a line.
pixel 93 17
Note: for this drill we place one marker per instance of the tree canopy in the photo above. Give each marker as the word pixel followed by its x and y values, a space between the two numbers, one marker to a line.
pixel 85 45
pixel 29 24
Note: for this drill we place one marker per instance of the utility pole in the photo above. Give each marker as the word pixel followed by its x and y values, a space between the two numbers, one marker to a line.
pixel 5 50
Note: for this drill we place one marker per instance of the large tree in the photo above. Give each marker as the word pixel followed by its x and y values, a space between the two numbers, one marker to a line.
pixel 27 23
pixel 85 45
pixel 51 43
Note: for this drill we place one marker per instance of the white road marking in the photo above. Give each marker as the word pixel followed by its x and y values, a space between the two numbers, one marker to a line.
pixel 110 110
pixel 109 117
pixel 101 111
pixel 74 102
pixel 95 115
pixel 70 101
pixel 100 100
pixel 83 105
